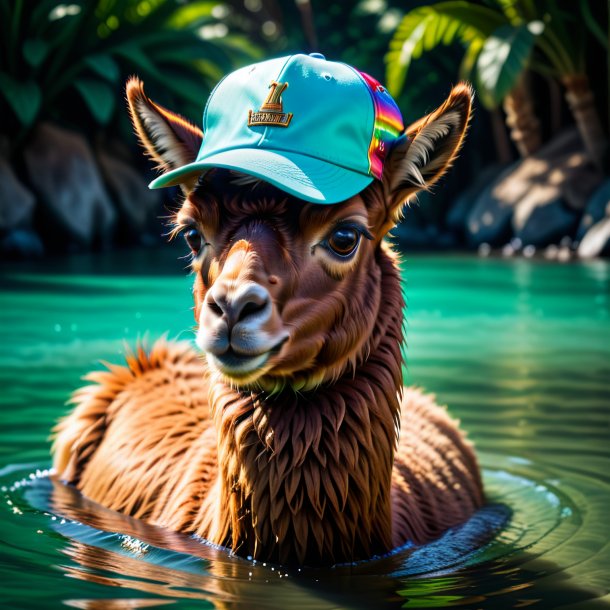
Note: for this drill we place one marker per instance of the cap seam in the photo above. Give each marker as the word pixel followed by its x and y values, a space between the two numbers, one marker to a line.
pixel 207 105
pixel 372 108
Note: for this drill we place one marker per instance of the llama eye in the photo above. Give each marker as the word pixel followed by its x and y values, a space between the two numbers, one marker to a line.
pixel 194 239
pixel 344 241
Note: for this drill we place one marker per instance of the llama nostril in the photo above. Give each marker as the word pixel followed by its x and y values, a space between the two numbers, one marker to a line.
pixel 216 304
pixel 216 309
pixel 236 306
pixel 250 308
pixel 250 302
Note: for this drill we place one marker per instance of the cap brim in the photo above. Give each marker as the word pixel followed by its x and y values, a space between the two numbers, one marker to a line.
pixel 300 175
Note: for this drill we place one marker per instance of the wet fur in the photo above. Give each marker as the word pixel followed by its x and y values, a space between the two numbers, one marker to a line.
pixel 324 457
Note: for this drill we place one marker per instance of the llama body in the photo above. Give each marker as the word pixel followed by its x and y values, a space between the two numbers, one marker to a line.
pixel 295 442
pixel 289 478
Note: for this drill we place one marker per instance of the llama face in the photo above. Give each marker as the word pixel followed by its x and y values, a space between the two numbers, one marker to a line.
pixel 285 291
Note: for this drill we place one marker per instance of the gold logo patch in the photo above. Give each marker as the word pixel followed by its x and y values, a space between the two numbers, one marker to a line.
pixel 272 110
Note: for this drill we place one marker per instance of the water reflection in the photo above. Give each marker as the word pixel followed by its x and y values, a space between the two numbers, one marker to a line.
pixel 166 564
pixel 115 604
pixel 477 564
pixel 464 568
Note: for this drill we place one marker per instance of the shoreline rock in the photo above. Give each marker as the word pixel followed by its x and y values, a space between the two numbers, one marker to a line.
pixel 74 205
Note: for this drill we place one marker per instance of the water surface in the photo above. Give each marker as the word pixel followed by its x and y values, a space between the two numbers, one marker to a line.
pixel 519 350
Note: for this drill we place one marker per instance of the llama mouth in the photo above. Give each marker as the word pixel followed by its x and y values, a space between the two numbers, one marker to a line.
pixel 239 366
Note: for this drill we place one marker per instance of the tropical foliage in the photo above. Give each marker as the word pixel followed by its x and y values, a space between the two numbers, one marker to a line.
pixel 52 53
pixel 502 39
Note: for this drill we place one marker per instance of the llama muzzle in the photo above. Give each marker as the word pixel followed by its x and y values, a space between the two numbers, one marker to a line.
pixel 240 327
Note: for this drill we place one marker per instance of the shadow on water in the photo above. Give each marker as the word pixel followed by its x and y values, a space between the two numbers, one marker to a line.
pixel 475 565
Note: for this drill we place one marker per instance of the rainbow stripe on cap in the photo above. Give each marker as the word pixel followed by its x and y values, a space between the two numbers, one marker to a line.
pixel 388 124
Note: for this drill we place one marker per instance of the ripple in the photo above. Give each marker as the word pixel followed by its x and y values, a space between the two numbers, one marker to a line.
pixel 506 555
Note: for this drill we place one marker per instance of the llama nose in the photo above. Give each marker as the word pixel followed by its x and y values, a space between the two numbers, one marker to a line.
pixel 246 303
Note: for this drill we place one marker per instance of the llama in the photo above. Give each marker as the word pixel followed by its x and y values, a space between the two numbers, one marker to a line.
pixel 294 440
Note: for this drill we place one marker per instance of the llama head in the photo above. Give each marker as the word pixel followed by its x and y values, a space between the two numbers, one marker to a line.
pixel 289 292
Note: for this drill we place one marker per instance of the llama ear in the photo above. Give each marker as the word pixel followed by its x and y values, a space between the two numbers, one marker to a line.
pixel 426 151
pixel 168 138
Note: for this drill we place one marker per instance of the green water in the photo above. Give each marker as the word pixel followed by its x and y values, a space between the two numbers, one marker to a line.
pixel 519 350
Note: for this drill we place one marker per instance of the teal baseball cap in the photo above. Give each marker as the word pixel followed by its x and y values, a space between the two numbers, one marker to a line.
pixel 317 129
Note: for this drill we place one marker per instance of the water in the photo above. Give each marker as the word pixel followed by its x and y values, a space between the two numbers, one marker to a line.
pixel 519 350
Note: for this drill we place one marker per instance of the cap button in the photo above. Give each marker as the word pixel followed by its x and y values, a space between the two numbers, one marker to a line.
pixel 317 55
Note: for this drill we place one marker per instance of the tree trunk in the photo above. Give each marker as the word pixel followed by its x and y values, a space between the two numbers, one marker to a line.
pixel 504 150
pixel 520 117
pixel 307 22
pixel 554 105
pixel 582 104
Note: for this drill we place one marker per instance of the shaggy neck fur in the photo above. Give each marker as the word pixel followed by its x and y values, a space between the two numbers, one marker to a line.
pixel 306 478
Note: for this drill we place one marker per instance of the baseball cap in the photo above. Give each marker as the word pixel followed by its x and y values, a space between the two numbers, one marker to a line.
pixel 317 129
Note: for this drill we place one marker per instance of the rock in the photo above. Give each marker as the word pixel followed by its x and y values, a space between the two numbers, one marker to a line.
pixel 547 222
pixel 21 243
pixel 508 251
pixel 17 204
pixel 529 251
pixel 551 252
pixel 484 250
pixel 551 207
pixel 411 232
pixel 559 176
pixel 597 207
pixel 516 243
pixel 564 254
pixel 489 218
pixel 414 233
pixel 136 204
pixel 596 241
pixel 463 203
pixel 75 206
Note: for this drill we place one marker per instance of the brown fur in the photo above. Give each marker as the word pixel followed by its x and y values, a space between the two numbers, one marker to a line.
pixel 313 456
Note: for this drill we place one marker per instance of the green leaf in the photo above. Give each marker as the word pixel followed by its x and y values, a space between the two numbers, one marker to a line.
pixel 470 59
pixel 187 86
pixel 192 13
pixel 209 69
pixel 427 27
pixel 39 14
pixel 98 96
pixel 184 52
pixel 592 23
pixel 242 47
pixel 34 51
pixel 502 60
pixel 134 55
pixel 513 11
pixel 103 65
pixel 23 97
